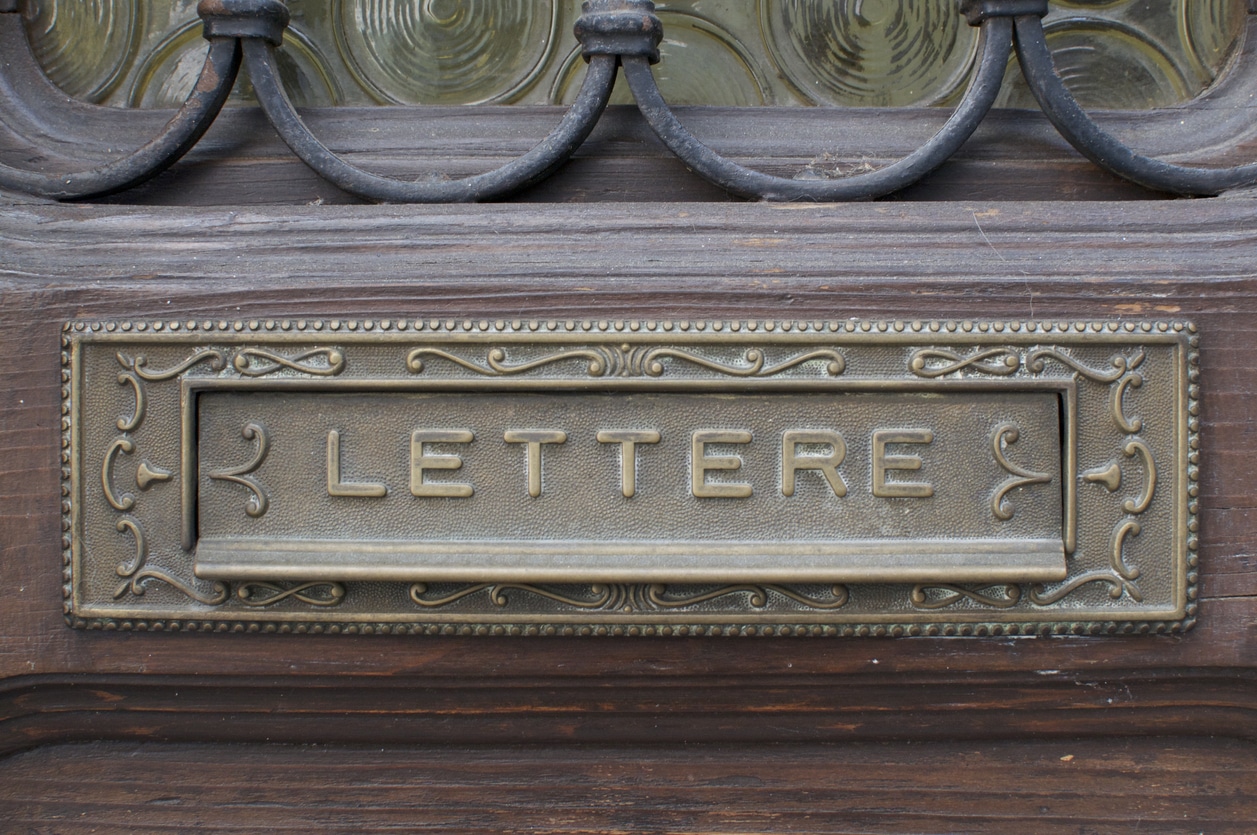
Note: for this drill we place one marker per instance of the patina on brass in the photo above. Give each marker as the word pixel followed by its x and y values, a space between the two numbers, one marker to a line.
pixel 631 477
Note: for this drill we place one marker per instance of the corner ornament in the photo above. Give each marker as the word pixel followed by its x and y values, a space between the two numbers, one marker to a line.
pixel 1120 578
pixel 135 573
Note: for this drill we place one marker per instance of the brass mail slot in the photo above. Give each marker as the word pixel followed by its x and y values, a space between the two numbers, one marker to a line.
pixel 622 487
pixel 474 477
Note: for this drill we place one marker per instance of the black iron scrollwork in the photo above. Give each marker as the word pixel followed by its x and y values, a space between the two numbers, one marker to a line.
pixel 613 33
pixel 181 133
pixel 1101 147
pixel 996 46
pixel 532 167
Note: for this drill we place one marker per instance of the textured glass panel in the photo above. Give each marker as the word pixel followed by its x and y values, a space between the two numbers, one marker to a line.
pixel 1136 55
pixel 869 52
pixel 444 50
pixel 1112 53
pixel 86 46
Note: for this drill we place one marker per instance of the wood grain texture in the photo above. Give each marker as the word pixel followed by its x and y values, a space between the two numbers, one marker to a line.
pixel 241 161
pixel 1146 259
pixel 1076 733
pixel 1176 785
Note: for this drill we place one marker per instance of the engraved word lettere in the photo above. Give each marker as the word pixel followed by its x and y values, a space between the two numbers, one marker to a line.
pixel 664 477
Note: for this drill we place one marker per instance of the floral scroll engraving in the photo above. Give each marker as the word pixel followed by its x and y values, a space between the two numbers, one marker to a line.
pixel 1037 363
pixel 125 501
pixel 259 502
pixel 1120 577
pixel 938 362
pixel 631 598
pixel 323 594
pixel 135 573
pixel 499 594
pixel 758 596
pixel 139 365
pixel 630 361
pixel 942 595
pixel 130 424
pixel 258 362
pixel 1128 425
pixel 1139 505
pixel 1007 434
pixel 143 444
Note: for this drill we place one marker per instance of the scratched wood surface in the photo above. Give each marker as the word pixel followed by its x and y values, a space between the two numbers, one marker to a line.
pixel 1131 785
pixel 620 710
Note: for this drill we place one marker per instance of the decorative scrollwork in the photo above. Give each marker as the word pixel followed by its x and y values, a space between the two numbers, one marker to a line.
pixel 1120 577
pixel 258 362
pixel 942 595
pixel 259 502
pixel 1128 425
pixel 124 501
pixel 926 61
pixel 755 359
pixel 139 365
pixel 1140 504
pixel 498 595
pixel 630 361
pixel 657 594
pixel 135 573
pixel 146 475
pixel 261 595
pixel 136 585
pixel 130 424
pixel 1101 147
pixel 1006 434
pixel 632 597
pixel 599 361
pixel 1037 363
pixel 1110 477
pixel 128 568
pixel 939 362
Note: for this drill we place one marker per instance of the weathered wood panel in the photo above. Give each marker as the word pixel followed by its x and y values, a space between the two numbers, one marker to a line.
pixel 1150 785
pixel 1192 260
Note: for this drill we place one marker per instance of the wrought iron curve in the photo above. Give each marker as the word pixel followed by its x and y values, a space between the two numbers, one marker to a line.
pixel 1101 147
pixel 180 134
pixel 532 167
pixel 995 47
pixel 612 33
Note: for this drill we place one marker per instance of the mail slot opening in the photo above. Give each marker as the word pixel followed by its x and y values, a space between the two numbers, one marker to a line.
pixel 937 485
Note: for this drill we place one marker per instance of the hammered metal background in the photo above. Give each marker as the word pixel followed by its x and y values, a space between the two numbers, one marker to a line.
pixel 1133 570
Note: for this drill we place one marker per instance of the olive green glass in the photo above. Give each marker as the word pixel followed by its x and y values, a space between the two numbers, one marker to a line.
pixel 853 53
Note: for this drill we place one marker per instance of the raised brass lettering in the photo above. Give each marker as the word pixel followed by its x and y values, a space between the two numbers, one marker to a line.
pixel 883 462
pixel 534 439
pixel 336 487
pixel 827 465
pixel 628 442
pixel 701 463
pixel 238 475
pixel 421 460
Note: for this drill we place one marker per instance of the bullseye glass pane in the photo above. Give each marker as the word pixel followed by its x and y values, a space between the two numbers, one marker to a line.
pixel 845 53
pixel 869 52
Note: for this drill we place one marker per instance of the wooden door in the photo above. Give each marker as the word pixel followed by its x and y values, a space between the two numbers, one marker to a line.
pixel 125 729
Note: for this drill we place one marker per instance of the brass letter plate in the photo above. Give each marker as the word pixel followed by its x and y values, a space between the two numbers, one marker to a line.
pixel 472 477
